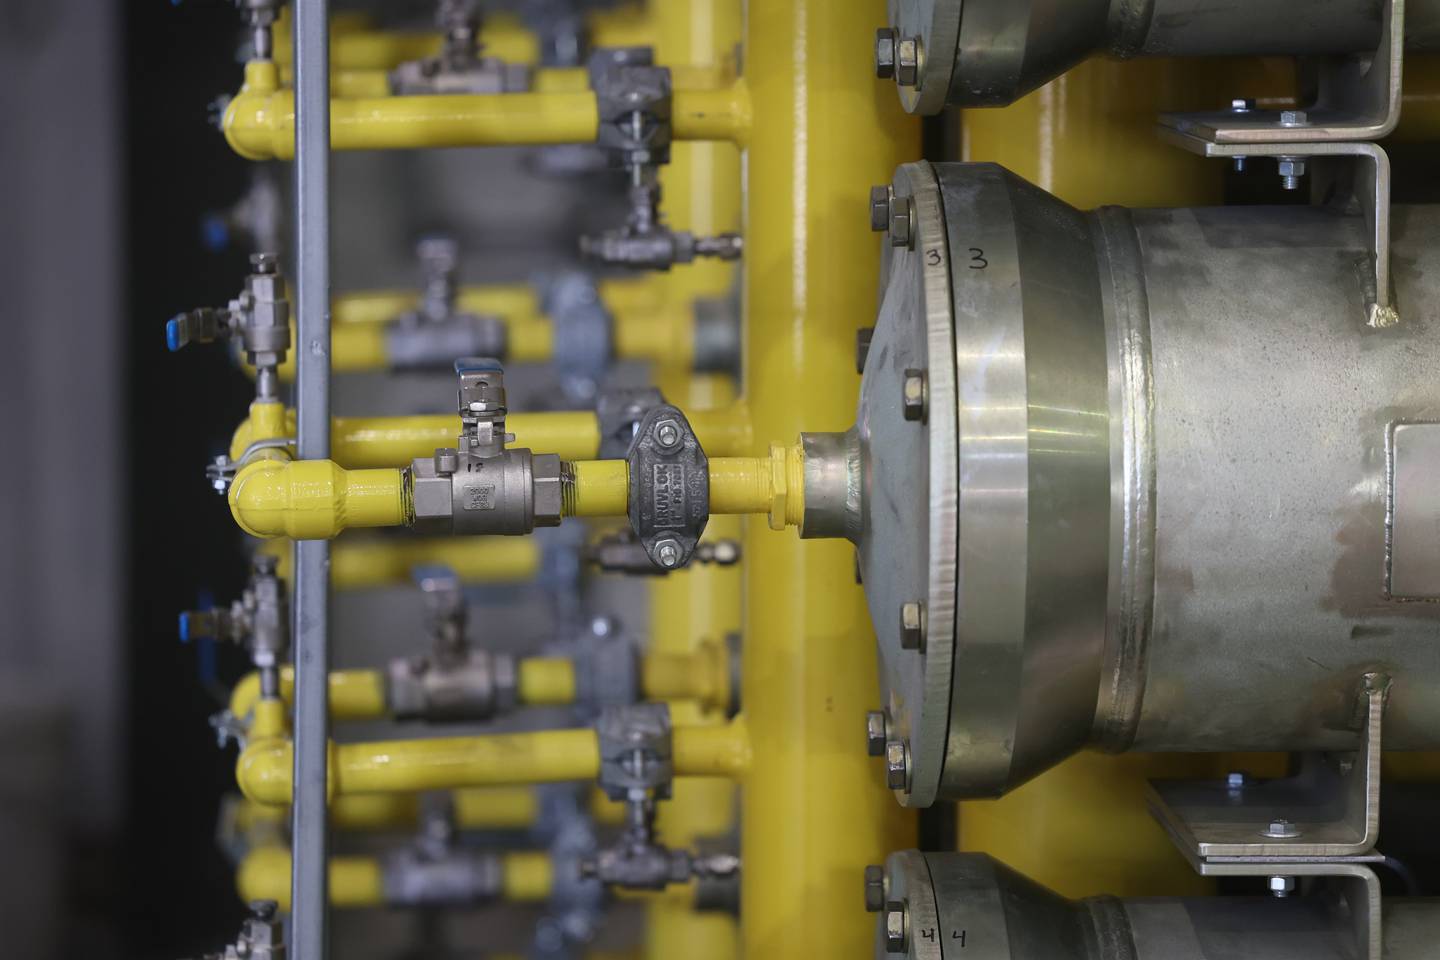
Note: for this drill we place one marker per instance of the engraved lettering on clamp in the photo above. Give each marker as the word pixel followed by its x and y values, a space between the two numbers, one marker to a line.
pixel 668 495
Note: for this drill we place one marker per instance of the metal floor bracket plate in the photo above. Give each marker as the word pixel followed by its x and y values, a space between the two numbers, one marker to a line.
pixel 1329 811
pixel 1357 98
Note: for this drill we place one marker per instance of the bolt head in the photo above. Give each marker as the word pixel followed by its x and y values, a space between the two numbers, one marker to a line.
pixel 914 395
pixel 1241 105
pixel 875 733
pixel 912 625
pixel 1282 886
pixel 264 262
pixel 263 909
pixel 668 553
pixel 1235 780
pixel 901 216
pixel 880 207
pixel 1292 166
pixel 1281 829
pixel 907 62
pixel 1294 118
pixel 874 889
pixel 895 927
pixel 897 764
pixel 885 43
pixel 667 434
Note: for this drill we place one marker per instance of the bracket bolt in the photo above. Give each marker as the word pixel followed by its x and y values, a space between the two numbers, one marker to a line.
pixel 897 764
pixel 1291 170
pixel 1241 105
pixel 885 42
pixel 914 395
pixel 912 625
pixel 894 927
pixel 668 553
pixel 1281 829
pixel 1294 118
pixel 880 198
pixel 875 734
pixel 1282 886
pixel 1235 781
pixel 907 62
pixel 667 434
pixel 874 889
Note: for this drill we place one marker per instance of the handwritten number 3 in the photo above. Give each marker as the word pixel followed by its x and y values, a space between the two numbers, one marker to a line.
pixel 977 259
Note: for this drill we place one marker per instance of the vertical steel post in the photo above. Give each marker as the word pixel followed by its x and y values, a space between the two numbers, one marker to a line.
pixel 309 887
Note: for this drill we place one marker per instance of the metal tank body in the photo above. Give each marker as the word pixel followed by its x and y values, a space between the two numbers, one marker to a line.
pixel 936 905
pixel 1176 527
pixel 993 52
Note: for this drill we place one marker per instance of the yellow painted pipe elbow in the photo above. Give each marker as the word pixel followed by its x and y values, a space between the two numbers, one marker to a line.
pixel 527 877
pixel 702 675
pixel 315 499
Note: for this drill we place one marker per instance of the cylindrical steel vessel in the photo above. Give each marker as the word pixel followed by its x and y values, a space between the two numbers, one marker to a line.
pixel 1190 496
pixel 966 904
pixel 992 52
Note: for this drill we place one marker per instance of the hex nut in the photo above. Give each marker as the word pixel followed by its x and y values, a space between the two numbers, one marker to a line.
pixel 1282 886
pixel 914 395
pixel 1294 118
pixel 895 927
pixel 668 553
pixel 885 40
pixel 667 434
pixel 897 764
pixel 907 62
pixel 912 625
pixel 875 733
pixel 901 229
pixel 1292 167
pixel 874 889
pixel 880 208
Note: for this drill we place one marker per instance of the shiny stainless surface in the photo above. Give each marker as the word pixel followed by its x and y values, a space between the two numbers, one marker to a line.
pixel 309 933
pixel 908 555
pixel 936 25
pixel 1035 488
pixel 1173 451
pixel 1412 563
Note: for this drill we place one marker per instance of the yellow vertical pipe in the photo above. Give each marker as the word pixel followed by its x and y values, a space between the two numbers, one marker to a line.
pixel 1088 137
pixel 814 809
pixel 701 187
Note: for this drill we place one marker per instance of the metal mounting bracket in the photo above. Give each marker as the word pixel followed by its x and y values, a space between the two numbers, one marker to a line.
pixel 1329 811
pixel 1372 192
pixel 669 502
pixel 1352 886
pixel 1357 98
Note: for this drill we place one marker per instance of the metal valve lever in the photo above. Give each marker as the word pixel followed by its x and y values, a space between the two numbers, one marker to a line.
pixel 459 68
pixel 261 936
pixel 637 767
pixel 259 318
pixel 480 486
pixel 634 100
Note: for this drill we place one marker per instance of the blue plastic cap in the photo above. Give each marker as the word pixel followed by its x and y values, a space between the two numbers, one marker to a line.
pixel 215 233
pixel 185 627
pixel 172 334
pixel 478 365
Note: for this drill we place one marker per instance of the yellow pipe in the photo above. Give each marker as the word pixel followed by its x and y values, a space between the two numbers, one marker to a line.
pixel 363 564
pixel 516 302
pixel 358 442
pixel 265 767
pixel 316 499
pixel 259 123
pixel 355 45
pixel 702 675
pixel 355 881
pixel 545 681
pixel 528 877
pixel 815 809
pixel 487 808
pixel 264 874
pixel 773 485
pixel 354 694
